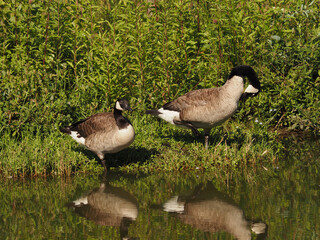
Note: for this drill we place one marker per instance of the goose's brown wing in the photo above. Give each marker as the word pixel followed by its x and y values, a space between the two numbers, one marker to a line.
pixel 194 99
pixel 93 124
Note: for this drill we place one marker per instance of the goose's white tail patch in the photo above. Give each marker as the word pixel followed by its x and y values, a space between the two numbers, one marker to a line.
pixel 130 212
pixel 173 205
pixel 81 201
pixel 251 89
pixel 169 115
pixel 258 228
pixel 75 134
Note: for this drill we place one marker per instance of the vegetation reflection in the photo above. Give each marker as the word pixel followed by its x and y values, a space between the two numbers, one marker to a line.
pixel 284 197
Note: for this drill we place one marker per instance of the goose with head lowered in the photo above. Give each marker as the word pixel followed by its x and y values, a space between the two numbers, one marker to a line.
pixel 103 133
pixel 206 108
pixel 210 210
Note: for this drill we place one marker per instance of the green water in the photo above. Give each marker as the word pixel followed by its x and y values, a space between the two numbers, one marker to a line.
pixel 281 201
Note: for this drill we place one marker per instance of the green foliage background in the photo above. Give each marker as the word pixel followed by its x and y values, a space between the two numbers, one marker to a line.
pixel 64 60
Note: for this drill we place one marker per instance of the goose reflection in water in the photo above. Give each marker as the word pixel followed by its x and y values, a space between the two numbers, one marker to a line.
pixel 108 206
pixel 211 211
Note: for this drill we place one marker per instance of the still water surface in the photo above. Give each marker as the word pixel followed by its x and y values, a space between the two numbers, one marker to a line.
pixel 281 201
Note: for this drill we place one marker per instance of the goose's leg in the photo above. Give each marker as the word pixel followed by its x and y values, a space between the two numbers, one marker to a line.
pixel 206 137
pixel 103 161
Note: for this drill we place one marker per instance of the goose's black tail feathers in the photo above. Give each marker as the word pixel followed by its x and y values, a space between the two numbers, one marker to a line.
pixel 154 112
pixel 73 127
pixel 65 129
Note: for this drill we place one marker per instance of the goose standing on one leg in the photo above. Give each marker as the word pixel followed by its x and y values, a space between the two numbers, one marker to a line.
pixel 206 108
pixel 104 132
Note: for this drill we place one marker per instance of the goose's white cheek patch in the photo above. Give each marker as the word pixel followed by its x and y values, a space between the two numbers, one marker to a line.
pixel 118 106
pixel 251 89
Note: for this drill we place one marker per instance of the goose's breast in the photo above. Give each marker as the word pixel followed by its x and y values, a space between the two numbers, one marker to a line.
pixel 120 140
pixel 125 135
pixel 112 141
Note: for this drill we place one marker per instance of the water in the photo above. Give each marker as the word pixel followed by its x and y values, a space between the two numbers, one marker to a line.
pixel 279 202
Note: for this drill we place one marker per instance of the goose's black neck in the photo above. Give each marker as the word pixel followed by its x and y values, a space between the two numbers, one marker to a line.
pixel 246 71
pixel 117 112
pixel 121 121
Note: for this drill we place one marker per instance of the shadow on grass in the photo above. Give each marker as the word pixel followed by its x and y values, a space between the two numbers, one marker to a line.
pixel 188 137
pixel 217 136
pixel 124 157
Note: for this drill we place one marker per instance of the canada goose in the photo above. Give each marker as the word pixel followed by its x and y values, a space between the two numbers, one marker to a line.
pixel 206 108
pixel 209 210
pixel 108 206
pixel 104 132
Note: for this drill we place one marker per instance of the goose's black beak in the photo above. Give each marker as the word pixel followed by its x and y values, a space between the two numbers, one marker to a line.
pixel 246 95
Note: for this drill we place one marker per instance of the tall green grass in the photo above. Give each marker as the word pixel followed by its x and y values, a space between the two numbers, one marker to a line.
pixel 61 61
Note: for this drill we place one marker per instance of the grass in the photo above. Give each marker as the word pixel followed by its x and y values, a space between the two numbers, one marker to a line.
pixel 158 147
